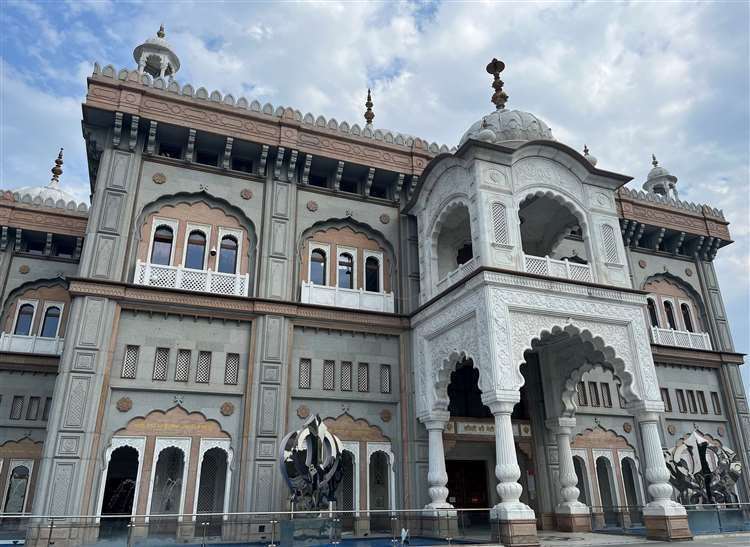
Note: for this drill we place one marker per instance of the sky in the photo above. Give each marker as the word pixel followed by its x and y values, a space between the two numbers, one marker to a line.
pixel 628 79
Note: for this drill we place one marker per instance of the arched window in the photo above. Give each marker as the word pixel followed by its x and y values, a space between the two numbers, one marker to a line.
pixel 669 310
pixel 687 318
pixel 166 494
pixel 161 251
pixel 372 274
pixel 196 250
pixel 346 271
pixel 228 255
pixel 652 314
pixel 582 480
pixel 629 474
pixel 318 267
pixel 606 483
pixel 15 497
pixel 119 491
pixel 51 322
pixel 23 322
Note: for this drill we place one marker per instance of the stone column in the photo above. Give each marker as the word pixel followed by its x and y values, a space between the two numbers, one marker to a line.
pixel 516 520
pixel 665 518
pixel 437 477
pixel 572 515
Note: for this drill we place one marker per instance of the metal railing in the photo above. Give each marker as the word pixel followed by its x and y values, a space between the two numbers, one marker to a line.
pixel 719 518
pixel 357 299
pixel 544 265
pixel 374 527
pixel 178 277
pixel 681 338
pixel 31 344
pixel 618 519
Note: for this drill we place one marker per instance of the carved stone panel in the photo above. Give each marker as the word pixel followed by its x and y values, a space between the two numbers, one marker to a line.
pixel 264 486
pixel 111 215
pixel 279 237
pixel 270 373
pixel 118 174
pixel 276 277
pixel 274 338
pixel 84 360
pixel 268 412
pixel 76 401
pixel 104 256
pixel 91 322
pixel 281 199
pixel 62 485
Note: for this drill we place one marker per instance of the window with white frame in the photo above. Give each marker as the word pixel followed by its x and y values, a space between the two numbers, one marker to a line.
pixel 230 250
pixel 318 263
pixel 162 242
pixel 195 253
pixel 687 317
pixel 25 317
pixel 373 271
pixel 346 270
pixel 670 314
pixel 50 327
pixel 653 314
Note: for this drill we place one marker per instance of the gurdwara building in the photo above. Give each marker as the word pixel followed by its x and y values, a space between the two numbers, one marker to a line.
pixel 502 324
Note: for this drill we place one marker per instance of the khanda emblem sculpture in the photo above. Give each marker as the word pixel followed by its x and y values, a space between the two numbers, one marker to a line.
pixel 310 460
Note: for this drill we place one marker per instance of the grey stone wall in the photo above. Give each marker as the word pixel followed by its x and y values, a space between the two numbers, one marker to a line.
pixel 26 385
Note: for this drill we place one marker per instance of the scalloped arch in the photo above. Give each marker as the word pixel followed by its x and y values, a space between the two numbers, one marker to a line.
pixel 177 411
pixel 29 285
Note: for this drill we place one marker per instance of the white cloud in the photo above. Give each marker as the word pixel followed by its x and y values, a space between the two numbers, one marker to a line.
pixel 628 79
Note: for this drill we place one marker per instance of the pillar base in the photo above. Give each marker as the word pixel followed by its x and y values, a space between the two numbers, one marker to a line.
pixel 668 528
pixel 573 522
pixel 515 533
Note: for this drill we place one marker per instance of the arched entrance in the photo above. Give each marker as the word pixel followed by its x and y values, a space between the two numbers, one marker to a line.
pixel 629 474
pixel 167 491
pixel 607 493
pixel 379 491
pixel 212 489
pixel 119 491
pixel 584 496
pixel 346 490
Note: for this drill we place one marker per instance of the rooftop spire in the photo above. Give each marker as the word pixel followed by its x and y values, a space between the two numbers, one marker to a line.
pixel 499 98
pixel 56 170
pixel 369 115
pixel 653 160
pixel 160 33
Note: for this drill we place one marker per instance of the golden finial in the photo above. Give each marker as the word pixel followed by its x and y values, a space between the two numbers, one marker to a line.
pixel 499 98
pixel 57 169
pixel 161 33
pixel 653 160
pixel 585 150
pixel 369 115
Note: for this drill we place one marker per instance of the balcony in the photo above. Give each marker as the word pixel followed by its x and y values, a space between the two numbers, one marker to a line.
pixel 187 279
pixel 459 273
pixel 356 299
pixel 681 338
pixel 31 344
pixel 557 268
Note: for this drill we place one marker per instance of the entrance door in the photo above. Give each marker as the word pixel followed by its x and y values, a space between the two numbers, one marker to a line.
pixel 467 484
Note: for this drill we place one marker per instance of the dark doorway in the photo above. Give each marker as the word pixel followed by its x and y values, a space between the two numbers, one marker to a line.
pixel 464 394
pixel 119 492
pixel 467 486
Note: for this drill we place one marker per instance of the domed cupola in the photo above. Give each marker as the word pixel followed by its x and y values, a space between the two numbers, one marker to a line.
pixel 155 56
pixel 503 126
pixel 50 195
pixel 660 181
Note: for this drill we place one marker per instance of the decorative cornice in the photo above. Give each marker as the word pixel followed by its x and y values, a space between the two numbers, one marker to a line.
pixel 179 302
pixel 167 101
pixel 669 213
pixel 29 362
pixel 670 355
pixel 22 212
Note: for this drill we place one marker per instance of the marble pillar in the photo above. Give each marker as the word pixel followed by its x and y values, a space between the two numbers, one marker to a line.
pixel 572 515
pixel 665 518
pixel 516 521
pixel 437 476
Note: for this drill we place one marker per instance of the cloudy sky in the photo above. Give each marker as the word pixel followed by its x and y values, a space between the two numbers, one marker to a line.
pixel 628 79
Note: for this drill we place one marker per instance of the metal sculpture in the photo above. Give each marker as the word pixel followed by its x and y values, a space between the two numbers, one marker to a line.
pixel 703 472
pixel 310 460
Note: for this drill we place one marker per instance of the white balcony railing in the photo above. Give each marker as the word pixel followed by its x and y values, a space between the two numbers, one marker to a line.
pixel 681 338
pixel 31 344
pixel 357 299
pixel 459 273
pixel 544 265
pixel 177 277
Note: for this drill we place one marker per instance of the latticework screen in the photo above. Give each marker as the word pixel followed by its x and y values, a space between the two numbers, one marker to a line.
pixel 16 408
pixel 32 413
pixel 161 364
pixel 500 223
pixel 363 377
pixel 182 368
pixel 305 373
pixel 385 378
pixel 130 362
pixel 203 367
pixel 346 375
pixel 232 369
pixel 329 375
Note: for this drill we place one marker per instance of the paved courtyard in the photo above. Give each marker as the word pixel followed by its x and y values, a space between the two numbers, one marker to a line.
pixel 555 539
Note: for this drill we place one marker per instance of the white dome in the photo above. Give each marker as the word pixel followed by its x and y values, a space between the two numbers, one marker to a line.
pixel 50 196
pixel 508 126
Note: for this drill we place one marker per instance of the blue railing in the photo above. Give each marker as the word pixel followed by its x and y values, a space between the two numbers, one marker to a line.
pixel 719 518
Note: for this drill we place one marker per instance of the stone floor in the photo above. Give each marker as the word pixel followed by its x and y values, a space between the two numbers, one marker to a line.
pixel 560 539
